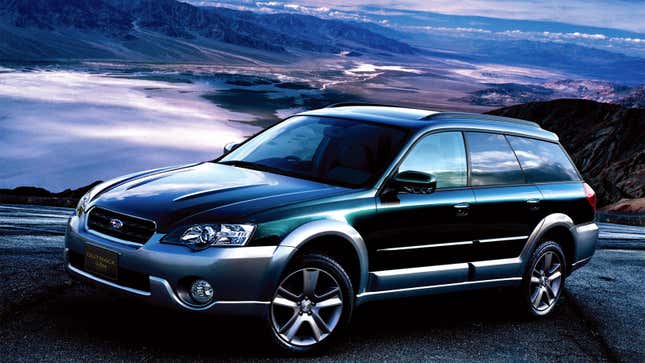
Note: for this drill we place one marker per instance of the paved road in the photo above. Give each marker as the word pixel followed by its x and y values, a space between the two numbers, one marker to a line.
pixel 45 316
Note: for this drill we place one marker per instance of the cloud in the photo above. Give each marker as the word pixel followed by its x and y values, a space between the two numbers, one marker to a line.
pixel 449 29
pixel 589 39
pixel 628 40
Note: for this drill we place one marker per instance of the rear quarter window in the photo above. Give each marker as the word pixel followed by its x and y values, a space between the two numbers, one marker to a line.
pixel 543 161
pixel 492 160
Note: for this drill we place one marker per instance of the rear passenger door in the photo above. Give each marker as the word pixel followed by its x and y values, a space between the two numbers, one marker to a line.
pixel 506 207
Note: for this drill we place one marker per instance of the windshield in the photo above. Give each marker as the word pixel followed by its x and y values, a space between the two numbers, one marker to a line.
pixel 330 150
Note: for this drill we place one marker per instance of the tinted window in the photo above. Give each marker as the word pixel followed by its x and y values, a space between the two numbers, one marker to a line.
pixel 492 160
pixel 442 155
pixel 542 161
pixel 300 141
pixel 335 151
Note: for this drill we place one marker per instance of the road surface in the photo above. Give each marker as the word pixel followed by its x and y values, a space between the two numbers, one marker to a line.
pixel 46 317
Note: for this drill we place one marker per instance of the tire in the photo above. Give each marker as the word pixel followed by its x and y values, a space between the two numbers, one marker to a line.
pixel 304 320
pixel 544 279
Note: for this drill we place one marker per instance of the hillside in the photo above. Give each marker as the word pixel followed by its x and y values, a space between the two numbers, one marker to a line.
pixel 607 142
pixel 169 30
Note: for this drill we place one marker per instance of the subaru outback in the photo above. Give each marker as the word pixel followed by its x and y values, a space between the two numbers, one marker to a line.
pixel 332 208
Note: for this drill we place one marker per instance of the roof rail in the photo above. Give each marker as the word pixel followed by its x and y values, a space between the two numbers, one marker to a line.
pixel 346 104
pixel 481 116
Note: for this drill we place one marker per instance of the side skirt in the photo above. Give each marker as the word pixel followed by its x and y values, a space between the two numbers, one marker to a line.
pixel 436 289
pixel 442 278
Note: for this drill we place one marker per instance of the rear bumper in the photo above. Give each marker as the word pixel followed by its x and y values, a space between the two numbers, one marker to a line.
pixel 585 237
pixel 243 278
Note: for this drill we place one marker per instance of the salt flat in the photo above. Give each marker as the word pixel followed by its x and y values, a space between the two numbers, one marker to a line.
pixel 65 129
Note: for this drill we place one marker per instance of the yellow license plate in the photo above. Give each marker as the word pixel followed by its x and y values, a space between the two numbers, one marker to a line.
pixel 102 263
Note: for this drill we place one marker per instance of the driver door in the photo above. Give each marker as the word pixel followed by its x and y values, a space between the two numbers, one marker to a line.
pixel 417 231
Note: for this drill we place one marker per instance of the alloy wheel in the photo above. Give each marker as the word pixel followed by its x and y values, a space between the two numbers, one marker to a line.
pixel 307 307
pixel 546 281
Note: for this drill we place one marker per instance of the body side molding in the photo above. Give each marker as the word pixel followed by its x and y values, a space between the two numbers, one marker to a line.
pixel 451 244
pixel 430 289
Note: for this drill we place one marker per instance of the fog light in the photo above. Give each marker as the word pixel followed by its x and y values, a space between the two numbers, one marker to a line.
pixel 201 291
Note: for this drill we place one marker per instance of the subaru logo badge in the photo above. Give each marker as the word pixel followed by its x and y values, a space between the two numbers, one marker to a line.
pixel 116 223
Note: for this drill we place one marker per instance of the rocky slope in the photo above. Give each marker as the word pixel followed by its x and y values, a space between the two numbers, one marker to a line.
pixel 626 206
pixel 635 99
pixel 169 29
pixel 507 94
pixel 607 142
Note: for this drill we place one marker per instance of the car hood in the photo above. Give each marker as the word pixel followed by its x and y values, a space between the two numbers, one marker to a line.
pixel 229 193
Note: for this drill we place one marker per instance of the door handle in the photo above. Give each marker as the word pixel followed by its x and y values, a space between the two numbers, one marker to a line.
pixel 462 209
pixel 534 204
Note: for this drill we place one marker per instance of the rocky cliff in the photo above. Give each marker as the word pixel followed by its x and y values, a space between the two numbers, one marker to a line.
pixel 606 141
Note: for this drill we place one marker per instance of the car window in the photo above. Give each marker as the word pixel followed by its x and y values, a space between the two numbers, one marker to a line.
pixel 492 160
pixel 442 155
pixel 300 142
pixel 543 161
pixel 331 150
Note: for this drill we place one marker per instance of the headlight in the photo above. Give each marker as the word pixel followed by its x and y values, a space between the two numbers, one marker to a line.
pixel 82 204
pixel 201 236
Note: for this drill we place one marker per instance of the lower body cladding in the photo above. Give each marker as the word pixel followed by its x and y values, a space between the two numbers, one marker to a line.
pixel 242 279
pixel 442 279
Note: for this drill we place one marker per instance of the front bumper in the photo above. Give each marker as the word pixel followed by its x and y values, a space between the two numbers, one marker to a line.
pixel 243 278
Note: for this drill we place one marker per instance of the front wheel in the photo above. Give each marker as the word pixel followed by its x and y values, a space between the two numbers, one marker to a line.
pixel 312 304
pixel 543 281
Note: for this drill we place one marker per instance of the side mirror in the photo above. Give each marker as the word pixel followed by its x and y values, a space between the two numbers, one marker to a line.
pixel 415 182
pixel 230 147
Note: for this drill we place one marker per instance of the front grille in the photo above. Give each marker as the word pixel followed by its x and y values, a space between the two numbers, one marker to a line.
pixel 125 277
pixel 133 229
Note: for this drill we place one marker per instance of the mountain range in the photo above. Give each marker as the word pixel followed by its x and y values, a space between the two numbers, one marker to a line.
pixel 169 30
pixel 580 51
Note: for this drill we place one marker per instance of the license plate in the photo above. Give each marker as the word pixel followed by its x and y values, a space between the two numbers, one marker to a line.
pixel 100 262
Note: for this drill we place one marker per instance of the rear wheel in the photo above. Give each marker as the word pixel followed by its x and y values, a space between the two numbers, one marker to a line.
pixel 543 281
pixel 312 304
